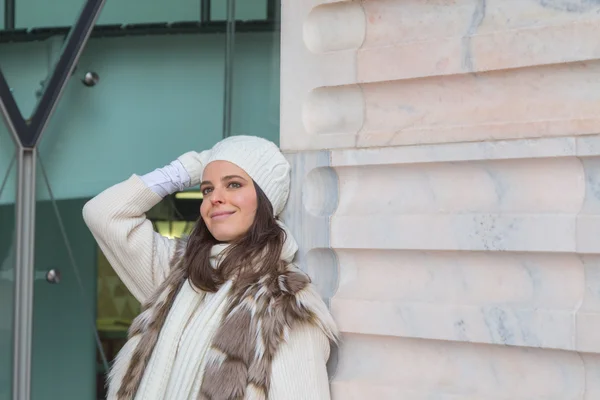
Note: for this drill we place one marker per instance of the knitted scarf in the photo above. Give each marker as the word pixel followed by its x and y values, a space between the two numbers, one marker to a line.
pixel 257 320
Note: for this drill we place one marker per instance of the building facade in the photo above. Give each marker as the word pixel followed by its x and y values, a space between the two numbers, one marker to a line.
pixel 446 160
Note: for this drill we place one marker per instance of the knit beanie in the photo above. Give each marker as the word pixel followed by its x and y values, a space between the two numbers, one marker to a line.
pixel 263 162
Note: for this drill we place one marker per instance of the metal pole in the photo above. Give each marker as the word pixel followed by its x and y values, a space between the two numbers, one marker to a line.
pixel 272 10
pixel 229 57
pixel 10 111
pixel 205 11
pixel 21 302
pixel 9 15
pixel 24 273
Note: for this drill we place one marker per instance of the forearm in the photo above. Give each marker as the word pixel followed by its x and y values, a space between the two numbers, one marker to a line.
pixel 117 220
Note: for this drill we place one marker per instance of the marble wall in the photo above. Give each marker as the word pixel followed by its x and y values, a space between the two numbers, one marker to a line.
pixel 446 192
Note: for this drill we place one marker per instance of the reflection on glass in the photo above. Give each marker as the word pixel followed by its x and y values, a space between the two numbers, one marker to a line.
pixel 8 176
pixel 25 67
pixel 246 10
pixel 175 216
pixel 173 229
pixel 64 338
pixel 255 108
pixel 65 12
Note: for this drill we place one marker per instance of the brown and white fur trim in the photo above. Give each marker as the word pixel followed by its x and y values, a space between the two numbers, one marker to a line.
pixel 257 320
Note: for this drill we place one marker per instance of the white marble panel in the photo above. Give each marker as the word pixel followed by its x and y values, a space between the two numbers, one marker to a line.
pixel 453 221
pixel 525 186
pixel 387 368
pixel 473 35
pixel 518 299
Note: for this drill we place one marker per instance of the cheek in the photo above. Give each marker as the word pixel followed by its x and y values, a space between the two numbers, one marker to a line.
pixel 204 208
pixel 245 202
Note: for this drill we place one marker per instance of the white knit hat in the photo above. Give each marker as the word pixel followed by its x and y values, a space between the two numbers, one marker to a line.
pixel 263 162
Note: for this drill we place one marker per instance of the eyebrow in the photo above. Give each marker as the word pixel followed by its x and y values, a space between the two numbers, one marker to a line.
pixel 225 178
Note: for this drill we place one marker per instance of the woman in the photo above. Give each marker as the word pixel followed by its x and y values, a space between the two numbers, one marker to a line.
pixel 225 314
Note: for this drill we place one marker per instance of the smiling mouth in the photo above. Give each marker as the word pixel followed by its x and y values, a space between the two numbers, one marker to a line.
pixel 221 215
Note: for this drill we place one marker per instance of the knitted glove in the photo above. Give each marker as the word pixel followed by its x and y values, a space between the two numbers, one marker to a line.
pixel 183 173
pixel 194 164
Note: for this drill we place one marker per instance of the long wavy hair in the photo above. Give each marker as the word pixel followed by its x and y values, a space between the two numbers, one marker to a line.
pixel 247 259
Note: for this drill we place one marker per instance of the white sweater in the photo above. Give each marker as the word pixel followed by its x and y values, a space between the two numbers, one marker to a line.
pixel 141 257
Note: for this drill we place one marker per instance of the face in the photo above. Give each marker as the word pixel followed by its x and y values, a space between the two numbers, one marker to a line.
pixel 229 204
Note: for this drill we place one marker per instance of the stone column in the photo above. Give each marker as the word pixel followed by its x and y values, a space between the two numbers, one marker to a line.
pixel 446 192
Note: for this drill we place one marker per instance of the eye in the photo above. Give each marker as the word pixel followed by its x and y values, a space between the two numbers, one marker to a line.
pixel 205 191
pixel 234 185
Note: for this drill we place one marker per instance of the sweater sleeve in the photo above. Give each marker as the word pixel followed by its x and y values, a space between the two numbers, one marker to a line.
pixel 299 369
pixel 117 219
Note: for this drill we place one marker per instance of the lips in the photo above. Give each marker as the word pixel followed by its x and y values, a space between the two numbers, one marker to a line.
pixel 220 215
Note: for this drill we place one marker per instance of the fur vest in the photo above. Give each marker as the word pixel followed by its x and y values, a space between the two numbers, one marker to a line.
pixel 257 320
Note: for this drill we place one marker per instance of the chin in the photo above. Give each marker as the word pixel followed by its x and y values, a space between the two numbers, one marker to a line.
pixel 225 236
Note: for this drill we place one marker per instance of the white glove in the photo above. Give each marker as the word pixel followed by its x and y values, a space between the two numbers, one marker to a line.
pixel 183 173
pixel 167 180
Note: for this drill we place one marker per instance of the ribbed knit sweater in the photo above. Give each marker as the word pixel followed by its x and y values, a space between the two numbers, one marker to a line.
pixel 141 258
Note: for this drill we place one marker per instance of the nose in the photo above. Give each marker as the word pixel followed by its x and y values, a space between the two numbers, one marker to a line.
pixel 217 196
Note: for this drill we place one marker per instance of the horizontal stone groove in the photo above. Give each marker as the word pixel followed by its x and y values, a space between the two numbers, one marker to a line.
pixel 334 26
pixel 503 325
pixel 582 146
pixel 391 22
pixel 524 186
pixel 497 105
pixel 333 110
pixel 442 38
pixel 384 367
pixel 473 232
pixel 523 280
pixel 518 299
pixel 537 204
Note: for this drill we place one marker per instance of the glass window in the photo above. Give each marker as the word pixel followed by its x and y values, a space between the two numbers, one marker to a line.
pixel 153 97
pixel 254 71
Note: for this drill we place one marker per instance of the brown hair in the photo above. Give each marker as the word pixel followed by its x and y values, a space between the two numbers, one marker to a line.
pixel 247 259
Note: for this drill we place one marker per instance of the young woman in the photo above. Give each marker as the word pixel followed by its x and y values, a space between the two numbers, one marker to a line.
pixel 226 315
